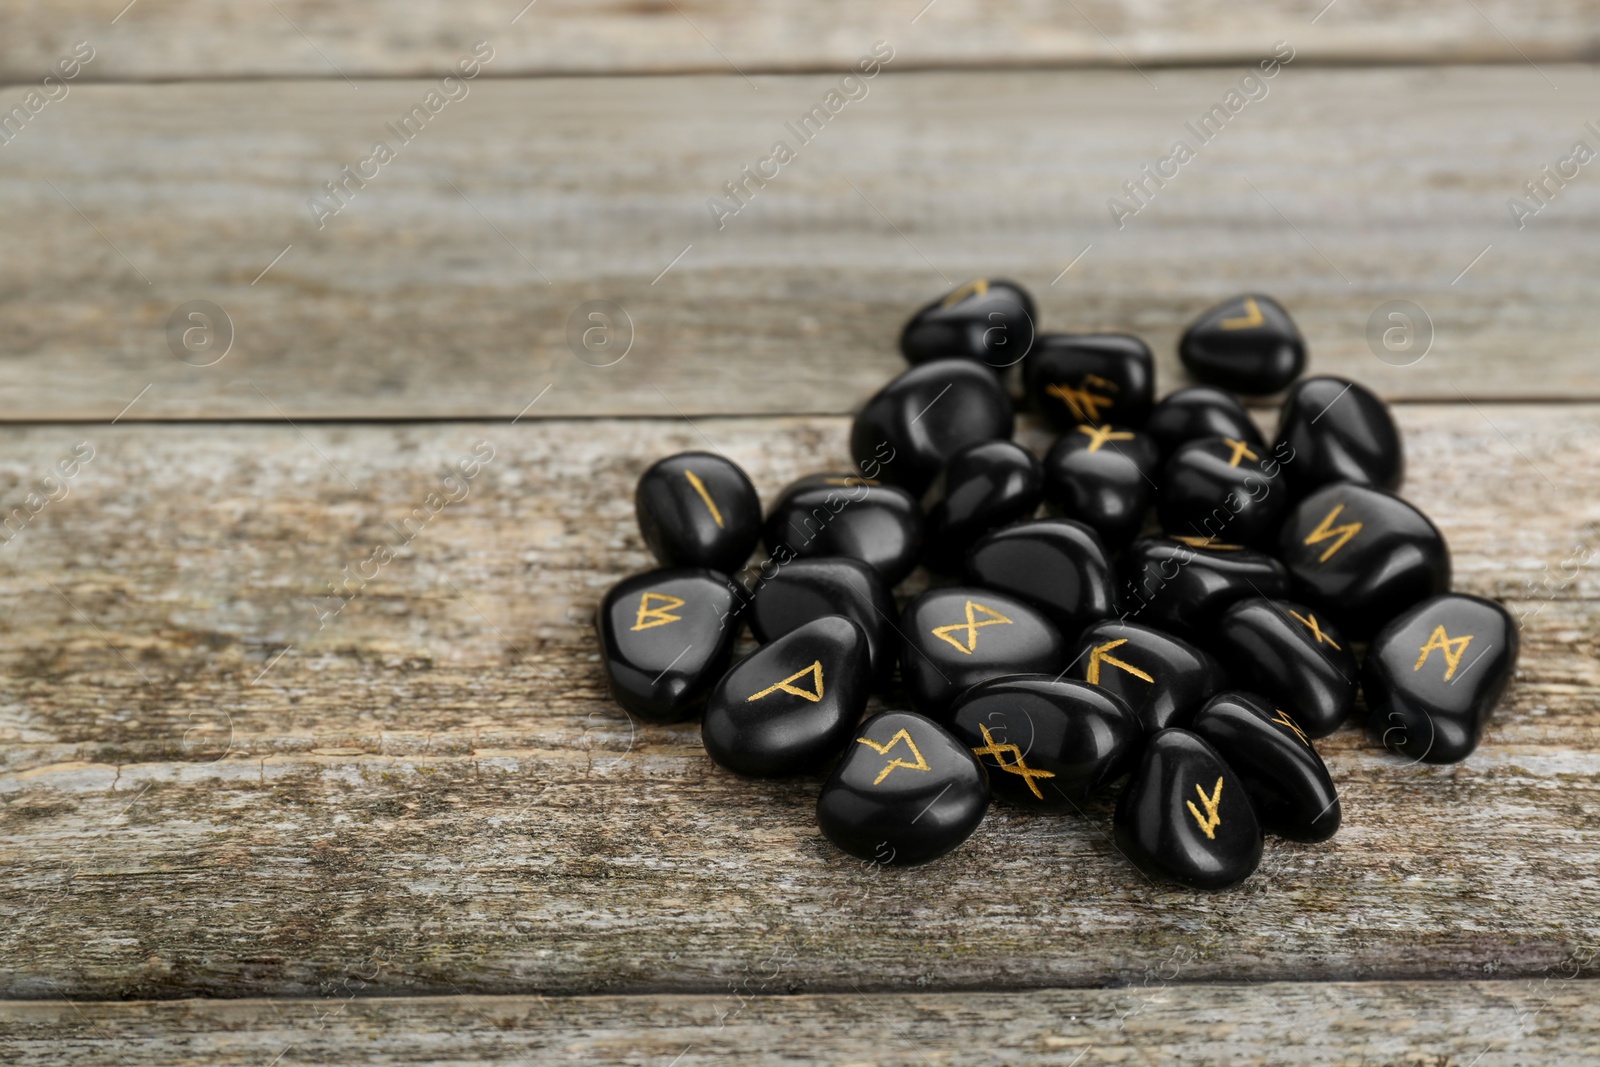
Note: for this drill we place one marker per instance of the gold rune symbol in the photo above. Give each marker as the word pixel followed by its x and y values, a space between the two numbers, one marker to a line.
pixel 658 615
pixel 1099 437
pixel 1208 825
pixel 1252 317
pixel 850 481
pixel 1240 451
pixel 1084 404
pixel 815 671
pixel 1326 531
pixel 991 747
pixel 971 627
pixel 1316 631
pixel 1098 656
pixel 977 287
pixel 883 750
pixel 1452 647
pixel 700 487
pixel 1282 719
pixel 1208 542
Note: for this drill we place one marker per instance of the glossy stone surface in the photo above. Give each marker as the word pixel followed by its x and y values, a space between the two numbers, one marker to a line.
pixel 1293 657
pixel 697 509
pixel 1224 488
pixel 1186 816
pixel 1047 744
pixel 956 637
pixel 981 488
pixel 806 589
pixel 1434 675
pixel 792 704
pixel 1362 556
pixel 904 792
pixel 1104 477
pixel 1090 378
pixel 1248 344
pixel 1197 411
pixel 847 515
pixel 987 320
pixel 665 638
pixel 1289 785
pixel 1183 587
pixel 1338 431
pixel 907 432
pixel 1058 566
pixel 1163 678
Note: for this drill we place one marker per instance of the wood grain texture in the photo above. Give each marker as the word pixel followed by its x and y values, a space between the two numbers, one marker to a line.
pixel 1550 1020
pixel 204 793
pixel 446 286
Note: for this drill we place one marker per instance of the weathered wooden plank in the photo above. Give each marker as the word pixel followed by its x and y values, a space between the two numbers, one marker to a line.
pixel 1548 1020
pixel 206 793
pixel 446 287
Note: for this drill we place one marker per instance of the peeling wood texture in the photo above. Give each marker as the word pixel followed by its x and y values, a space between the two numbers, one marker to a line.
pixel 206 794
pixel 448 284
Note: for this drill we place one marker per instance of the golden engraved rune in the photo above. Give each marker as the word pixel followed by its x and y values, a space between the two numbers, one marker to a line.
pixel 1241 451
pixel 850 481
pixel 1084 404
pixel 1326 530
pixel 658 615
pixel 1316 630
pixel 1207 542
pixel 883 750
pixel 1098 437
pixel 1212 820
pixel 815 671
pixel 978 287
pixel 1452 647
pixel 1098 656
pixel 971 627
pixel 1282 719
pixel 700 487
pixel 991 747
pixel 1251 318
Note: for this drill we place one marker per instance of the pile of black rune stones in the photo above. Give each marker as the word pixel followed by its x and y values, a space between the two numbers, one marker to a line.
pixel 1200 654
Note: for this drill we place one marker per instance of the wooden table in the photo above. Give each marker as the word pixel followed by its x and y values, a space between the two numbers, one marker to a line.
pixel 238 825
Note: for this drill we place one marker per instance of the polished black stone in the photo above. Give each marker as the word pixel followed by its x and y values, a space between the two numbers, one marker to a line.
pixel 1104 477
pixel 1163 678
pixel 786 597
pixel 1183 587
pixel 791 705
pixel 1058 566
pixel 1433 676
pixel 956 637
pixel 1338 431
pixel 904 792
pixel 1047 743
pixel 1197 411
pixel 1294 657
pixel 697 509
pixel 1362 556
pixel 847 515
pixel 1185 815
pixel 1248 344
pixel 1093 378
pixel 925 416
pixel 1224 488
pixel 665 638
pixel 1289 786
pixel 982 487
pixel 987 320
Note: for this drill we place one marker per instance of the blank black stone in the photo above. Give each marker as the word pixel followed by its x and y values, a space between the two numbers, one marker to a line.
pixel 1104 477
pixel 791 705
pixel 1248 344
pixel 665 638
pixel 1434 675
pixel 1362 556
pixel 1186 816
pixel 1163 678
pixel 1289 786
pixel 956 637
pixel 1197 411
pixel 982 487
pixel 847 515
pixel 1058 566
pixel 1289 654
pixel 697 509
pixel 926 415
pixel 904 792
pixel 987 320
pixel 803 590
pixel 1224 488
pixel 1091 378
pixel 1047 743
pixel 1338 431
pixel 1183 587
